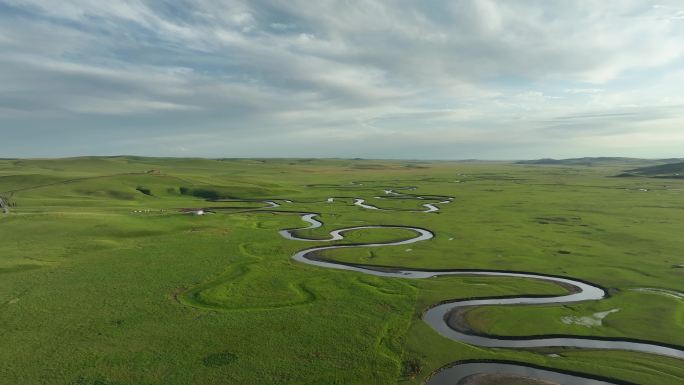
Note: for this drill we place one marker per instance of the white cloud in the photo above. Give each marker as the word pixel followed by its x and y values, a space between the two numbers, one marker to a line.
pixel 467 71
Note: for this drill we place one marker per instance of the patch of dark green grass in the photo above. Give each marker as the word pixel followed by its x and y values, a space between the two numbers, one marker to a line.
pixel 411 367
pixel 96 381
pixel 19 268
pixel 144 190
pixel 219 359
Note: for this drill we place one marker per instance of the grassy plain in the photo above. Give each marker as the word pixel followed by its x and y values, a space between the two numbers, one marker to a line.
pixel 104 281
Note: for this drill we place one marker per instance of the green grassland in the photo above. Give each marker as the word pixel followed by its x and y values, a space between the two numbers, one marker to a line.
pixel 103 280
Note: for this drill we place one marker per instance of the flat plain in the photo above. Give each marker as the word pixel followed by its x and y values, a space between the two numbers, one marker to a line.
pixel 108 277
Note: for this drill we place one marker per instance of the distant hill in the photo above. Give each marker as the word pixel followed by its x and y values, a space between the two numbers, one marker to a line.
pixel 668 170
pixel 593 161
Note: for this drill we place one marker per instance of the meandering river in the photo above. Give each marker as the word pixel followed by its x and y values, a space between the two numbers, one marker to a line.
pixel 438 316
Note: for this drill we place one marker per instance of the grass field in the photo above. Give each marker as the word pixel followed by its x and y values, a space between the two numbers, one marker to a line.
pixel 104 280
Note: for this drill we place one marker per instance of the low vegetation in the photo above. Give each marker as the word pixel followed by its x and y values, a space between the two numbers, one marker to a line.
pixel 106 279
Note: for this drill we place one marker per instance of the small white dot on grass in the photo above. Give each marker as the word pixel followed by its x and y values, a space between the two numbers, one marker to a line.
pixel 409 250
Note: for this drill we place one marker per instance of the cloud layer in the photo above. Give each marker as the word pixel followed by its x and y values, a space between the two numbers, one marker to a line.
pixel 439 79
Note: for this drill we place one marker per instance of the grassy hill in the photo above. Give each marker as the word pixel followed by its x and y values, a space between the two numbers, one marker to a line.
pixel 668 170
pixel 593 161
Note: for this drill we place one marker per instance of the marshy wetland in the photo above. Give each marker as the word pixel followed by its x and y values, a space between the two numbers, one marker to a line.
pixel 304 271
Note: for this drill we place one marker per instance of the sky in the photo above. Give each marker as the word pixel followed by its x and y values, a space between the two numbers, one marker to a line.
pixel 454 79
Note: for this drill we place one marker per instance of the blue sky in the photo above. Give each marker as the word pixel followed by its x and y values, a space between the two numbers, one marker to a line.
pixel 377 79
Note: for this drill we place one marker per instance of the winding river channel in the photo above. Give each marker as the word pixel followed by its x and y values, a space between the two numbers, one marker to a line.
pixel 438 317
